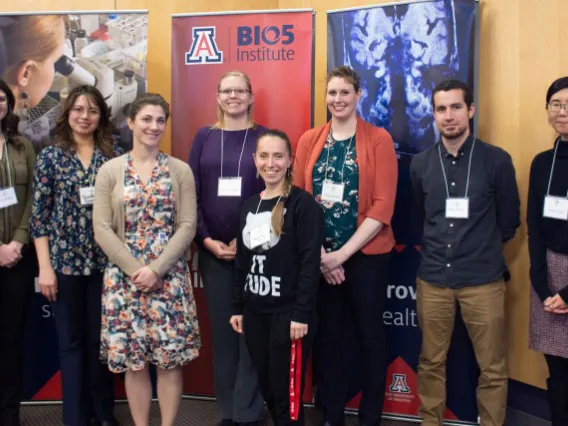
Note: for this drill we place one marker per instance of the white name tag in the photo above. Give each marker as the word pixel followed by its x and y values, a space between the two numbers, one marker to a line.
pixel 457 208
pixel 229 187
pixel 260 235
pixel 7 197
pixel 87 195
pixel 332 192
pixel 555 208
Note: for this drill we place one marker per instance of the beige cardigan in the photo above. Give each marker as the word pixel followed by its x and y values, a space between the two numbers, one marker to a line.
pixel 108 216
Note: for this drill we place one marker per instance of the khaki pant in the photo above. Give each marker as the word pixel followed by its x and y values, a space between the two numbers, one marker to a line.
pixel 483 312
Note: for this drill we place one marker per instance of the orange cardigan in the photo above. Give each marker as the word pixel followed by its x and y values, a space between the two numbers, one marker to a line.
pixel 378 175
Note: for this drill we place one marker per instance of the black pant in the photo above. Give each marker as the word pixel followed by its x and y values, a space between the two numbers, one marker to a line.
pixel 16 289
pixel 87 384
pixel 363 297
pixel 558 389
pixel 268 339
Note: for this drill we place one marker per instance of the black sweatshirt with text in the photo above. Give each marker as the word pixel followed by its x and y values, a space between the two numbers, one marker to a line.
pixel 283 273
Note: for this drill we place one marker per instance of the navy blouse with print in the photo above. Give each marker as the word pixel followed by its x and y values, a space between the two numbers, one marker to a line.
pixel 58 214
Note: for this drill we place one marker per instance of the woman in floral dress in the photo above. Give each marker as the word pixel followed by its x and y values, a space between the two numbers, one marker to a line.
pixel 145 220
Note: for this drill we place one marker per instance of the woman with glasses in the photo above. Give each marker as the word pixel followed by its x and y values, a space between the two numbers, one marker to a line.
pixel 71 264
pixel 225 176
pixel 547 217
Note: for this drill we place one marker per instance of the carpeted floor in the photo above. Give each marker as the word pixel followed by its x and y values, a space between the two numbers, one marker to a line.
pixel 192 413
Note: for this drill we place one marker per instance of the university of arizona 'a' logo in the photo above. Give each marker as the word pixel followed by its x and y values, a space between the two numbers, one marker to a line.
pixel 203 47
pixel 398 384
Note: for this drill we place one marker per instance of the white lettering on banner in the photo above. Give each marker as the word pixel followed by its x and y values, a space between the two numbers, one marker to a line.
pixel 46 311
pixel 401 291
pixel 406 318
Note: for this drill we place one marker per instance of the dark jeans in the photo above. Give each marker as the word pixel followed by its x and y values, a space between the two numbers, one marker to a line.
pixel 236 382
pixel 16 289
pixel 88 385
pixel 558 389
pixel 268 339
pixel 363 297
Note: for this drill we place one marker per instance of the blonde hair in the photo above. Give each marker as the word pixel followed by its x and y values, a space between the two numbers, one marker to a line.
pixel 278 209
pixel 29 38
pixel 220 114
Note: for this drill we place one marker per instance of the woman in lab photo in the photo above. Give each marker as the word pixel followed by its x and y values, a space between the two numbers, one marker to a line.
pixel 144 219
pixel 225 176
pixel 29 47
pixel 277 272
pixel 71 264
pixel 17 257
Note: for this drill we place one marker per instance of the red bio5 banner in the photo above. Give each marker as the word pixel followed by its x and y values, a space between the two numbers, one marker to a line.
pixel 275 49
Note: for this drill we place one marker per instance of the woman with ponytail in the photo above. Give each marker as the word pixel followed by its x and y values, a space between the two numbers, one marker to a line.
pixel 277 278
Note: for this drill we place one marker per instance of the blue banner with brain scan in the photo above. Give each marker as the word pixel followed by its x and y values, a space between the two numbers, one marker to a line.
pixel 401 51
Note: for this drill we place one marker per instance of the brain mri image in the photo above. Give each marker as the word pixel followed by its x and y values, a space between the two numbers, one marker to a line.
pixel 401 52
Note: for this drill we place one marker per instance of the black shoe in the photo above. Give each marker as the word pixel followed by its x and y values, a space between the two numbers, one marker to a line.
pixel 226 422
pixel 111 422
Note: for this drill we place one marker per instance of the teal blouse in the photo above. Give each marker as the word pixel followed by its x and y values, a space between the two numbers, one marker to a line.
pixel 338 163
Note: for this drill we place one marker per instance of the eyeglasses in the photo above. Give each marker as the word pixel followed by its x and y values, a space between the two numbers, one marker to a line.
pixel 557 106
pixel 238 92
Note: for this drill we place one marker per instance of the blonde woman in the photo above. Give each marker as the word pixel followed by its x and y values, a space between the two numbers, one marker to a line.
pixel 277 278
pixel 225 176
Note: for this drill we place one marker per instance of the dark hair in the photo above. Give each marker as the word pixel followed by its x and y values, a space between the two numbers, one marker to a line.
pixel 9 124
pixel 555 87
pixel 103 133
pixel 148 99
pixel 447 85
pixel 278 209
pixel 348 74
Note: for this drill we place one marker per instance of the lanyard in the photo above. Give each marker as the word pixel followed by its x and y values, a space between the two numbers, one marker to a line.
pixel 295 378
pixel 344 160
pixel 7 163
pixel 241 156
pixel 468 169
pixel 279 198
pixel 558 142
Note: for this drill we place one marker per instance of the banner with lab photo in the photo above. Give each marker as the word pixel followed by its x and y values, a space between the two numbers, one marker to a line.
pixel 401 51
pixel 275 49
pixel 42 57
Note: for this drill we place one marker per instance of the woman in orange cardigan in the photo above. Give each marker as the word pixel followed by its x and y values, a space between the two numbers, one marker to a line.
pixel 350 167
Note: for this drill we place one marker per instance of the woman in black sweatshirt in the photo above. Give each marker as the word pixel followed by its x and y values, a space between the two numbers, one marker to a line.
pixel 277 277
pixel 547 217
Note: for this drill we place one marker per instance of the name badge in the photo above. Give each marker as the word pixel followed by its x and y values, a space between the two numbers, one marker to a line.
pixel 7 198
pixel 332 192
pixel 260 235
pixel 457 208
pixel 555 208
pixel 229 187
pixel 87 195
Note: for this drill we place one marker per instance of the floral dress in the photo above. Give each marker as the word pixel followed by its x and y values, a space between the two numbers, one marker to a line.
pixel 159 327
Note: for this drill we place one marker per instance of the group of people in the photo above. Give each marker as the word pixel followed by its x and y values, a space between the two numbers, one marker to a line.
pixel 294 251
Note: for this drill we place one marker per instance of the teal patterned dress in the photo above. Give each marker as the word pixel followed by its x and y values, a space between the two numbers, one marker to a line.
pixel 341 166
pixel 159 327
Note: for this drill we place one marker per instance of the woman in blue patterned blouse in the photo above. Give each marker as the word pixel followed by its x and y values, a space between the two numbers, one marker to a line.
pixel 70 263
